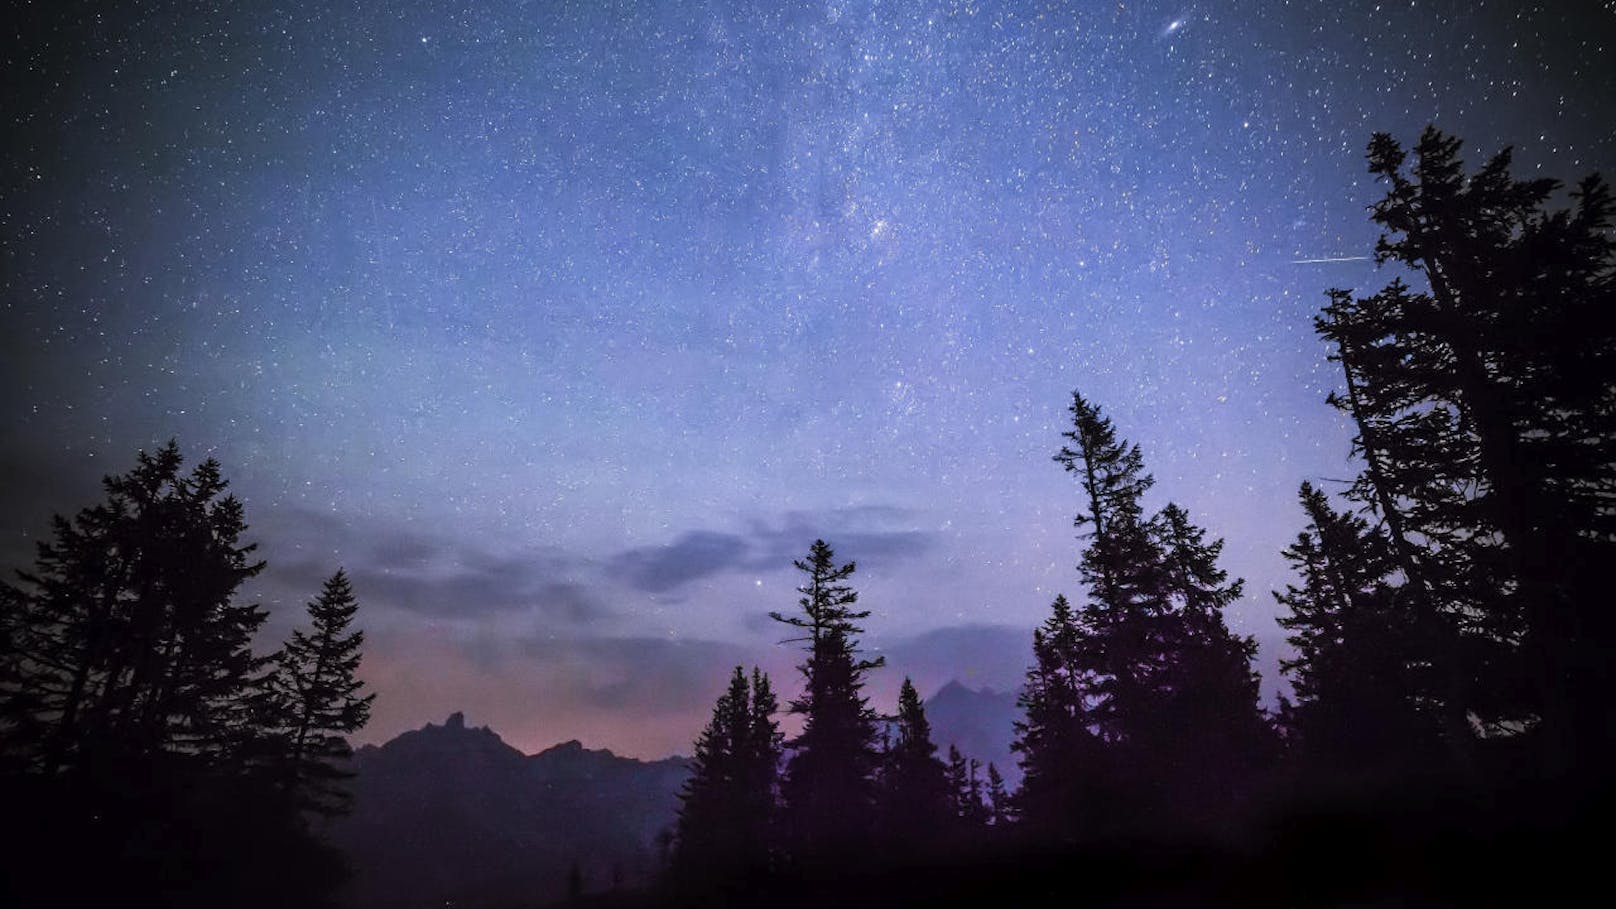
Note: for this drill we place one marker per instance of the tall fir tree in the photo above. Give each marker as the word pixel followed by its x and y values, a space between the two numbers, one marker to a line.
pixel 1215 737
pixel 956 774
pixel 1150 670
pixel 1059 753
pixel 1359 676
pixel 964 779
pixel 975 802
pixel 915 802
pixel 317 694
pixel 830 779
pixel 761 764
pixel 126 640
pixel 1000 810
pixel 132 708
pixel 1123 620
pixel 726 826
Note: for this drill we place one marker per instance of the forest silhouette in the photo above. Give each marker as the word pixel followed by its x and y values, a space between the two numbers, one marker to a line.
pixel 1448 739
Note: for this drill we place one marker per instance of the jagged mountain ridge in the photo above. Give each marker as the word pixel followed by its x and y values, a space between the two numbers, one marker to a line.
pixel 980 722
pixel 452 814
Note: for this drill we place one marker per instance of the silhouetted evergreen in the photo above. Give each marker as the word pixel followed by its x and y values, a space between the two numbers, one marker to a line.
pixel 915 805
pixel 126 643
pixel 726 823
pixel 135 719
pixel 1141 709
pixel 1121 650
pixel 1061 760
pixel 1359 676
pixel 830 779
pixel 1213 735
pixel 999 808
pixel 1485 418
pixel 317 696
pixel 965 791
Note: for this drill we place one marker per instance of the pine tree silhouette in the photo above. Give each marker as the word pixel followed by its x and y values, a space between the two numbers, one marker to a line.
pixel 1000 811
pixel 126 642
pixel 1359 672
pixel 1060 756
pixel 318 697
pixel 134 723
pixel 1211 693
pixel 829 783
pixel 915 801
pixel 1484 419
pixel 726 820
pixel 1121 689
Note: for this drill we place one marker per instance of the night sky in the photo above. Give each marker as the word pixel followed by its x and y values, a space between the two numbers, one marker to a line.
pixel 566 326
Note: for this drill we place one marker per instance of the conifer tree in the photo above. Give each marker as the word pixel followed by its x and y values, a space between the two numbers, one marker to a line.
pixel 963 776
pixel 1211 692
pixel 133 708
pixel 1123 620
pixel 956 773
pixel 1488 431
pixel 976 809
pixel 915 799
pixel 126 642
pixel 726 819
pixel 999 807
pixel 1058 752
pixel 318 696
pixel 1358 674
pixel 1162 695
pixel 830 778
pixel 761 758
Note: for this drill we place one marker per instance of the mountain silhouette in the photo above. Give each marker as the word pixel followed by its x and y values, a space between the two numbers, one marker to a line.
pixel 451 814
pixel 980 722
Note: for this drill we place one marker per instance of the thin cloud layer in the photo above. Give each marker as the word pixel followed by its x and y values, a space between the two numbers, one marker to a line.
pixel 433 578
pixel 868 533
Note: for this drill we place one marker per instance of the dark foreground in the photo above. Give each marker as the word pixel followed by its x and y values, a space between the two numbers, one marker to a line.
pixel 1527 845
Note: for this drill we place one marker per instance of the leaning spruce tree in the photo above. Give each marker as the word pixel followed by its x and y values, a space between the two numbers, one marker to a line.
pixel 1487 429
pixel 317 694
pixel 830 779
pixel 1122 623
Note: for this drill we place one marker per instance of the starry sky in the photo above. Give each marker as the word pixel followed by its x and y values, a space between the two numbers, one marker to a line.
pixel 566 326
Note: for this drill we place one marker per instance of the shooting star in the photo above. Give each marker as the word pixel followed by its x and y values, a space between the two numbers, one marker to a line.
pixel 1331 259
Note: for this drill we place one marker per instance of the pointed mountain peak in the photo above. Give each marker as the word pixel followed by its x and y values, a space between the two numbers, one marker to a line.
pixel 571 746
pixel 456 720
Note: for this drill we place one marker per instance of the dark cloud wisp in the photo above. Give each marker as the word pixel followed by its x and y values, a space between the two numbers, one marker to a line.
pixel 863 532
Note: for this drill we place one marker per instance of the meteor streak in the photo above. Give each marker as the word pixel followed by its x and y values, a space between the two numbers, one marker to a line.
pixel 1332 259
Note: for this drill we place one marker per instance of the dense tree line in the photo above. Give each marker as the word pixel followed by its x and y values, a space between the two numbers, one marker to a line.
pixel 852 789
pixel 141 735
pixel 1448 616
pixel 1459 600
